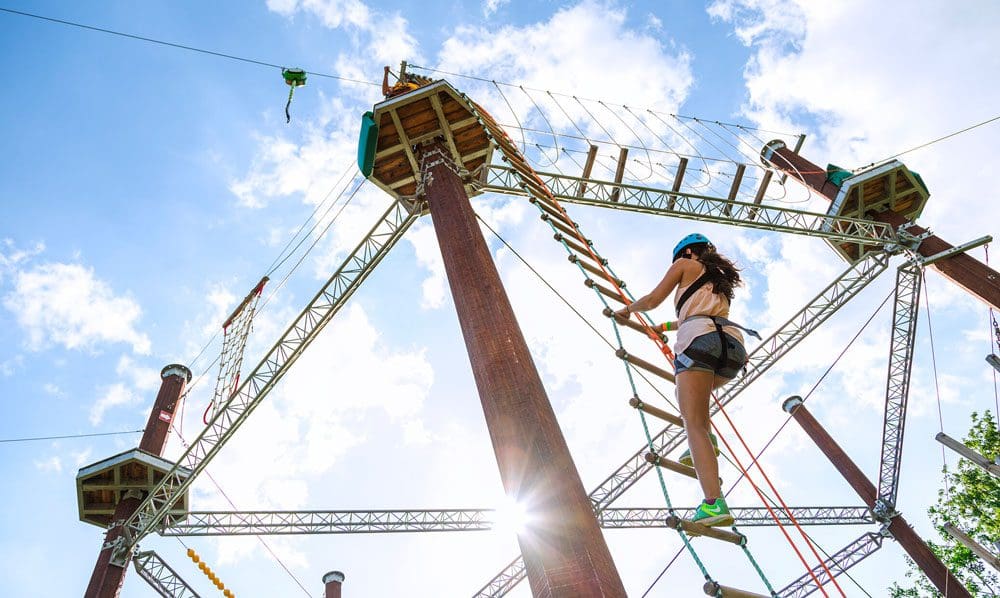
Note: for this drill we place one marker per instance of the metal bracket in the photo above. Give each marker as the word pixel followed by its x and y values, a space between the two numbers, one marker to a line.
pixel 120 552
pixel 884 512
pixel 924 261
pixel 907 241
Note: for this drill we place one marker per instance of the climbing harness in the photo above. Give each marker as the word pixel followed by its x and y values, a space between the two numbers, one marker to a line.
pixel 294 78
pixel 567 233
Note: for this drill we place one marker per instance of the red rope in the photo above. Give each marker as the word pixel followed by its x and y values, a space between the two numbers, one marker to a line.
pixel 665 349
pixel 777 495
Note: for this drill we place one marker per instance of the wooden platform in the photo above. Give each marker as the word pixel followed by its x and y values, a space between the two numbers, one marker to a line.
pixel 436 110
pixel 101 485
pixel 887 187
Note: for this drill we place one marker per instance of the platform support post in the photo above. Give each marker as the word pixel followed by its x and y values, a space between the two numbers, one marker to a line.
pixel 107 578
pixel 898 527
pixel 564 550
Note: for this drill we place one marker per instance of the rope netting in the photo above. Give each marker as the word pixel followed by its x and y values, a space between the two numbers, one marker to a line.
pixel 235 331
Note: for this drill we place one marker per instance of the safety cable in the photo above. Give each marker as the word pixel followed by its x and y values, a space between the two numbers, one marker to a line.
pixel 804 399
pixel 178 46
pixel 937 386
pixel 31 439
pixel 773 437
pixel 507 146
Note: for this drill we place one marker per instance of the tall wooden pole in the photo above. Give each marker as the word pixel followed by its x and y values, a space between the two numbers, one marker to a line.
pixel 914 546
pixel 564 551
pixel 967 272
pixel 106 580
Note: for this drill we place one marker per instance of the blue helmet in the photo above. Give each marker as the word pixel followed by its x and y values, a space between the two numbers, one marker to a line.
pixel 692 239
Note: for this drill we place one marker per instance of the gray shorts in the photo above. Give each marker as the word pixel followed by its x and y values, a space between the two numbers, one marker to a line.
pixel 705 354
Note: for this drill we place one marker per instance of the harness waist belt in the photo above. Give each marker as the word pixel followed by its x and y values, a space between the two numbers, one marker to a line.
pixel 720 321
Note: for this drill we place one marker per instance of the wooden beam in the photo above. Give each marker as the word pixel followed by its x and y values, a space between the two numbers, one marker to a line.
pixel 446 127
pixel 587 167
pixel 968 453
pixel 994 361
pixel 681 168
pixel 619 173
pixel 407 145
pixel 759 197
pixel 735 189
pixel 697 529
pixel 990 558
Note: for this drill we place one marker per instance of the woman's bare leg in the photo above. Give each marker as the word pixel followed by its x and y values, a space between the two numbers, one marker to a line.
pixel 694 389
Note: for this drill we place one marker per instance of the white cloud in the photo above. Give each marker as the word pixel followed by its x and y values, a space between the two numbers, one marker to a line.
pixel 51 464
pixel 115 395
pixel 66 304
pixel 11 257
pixel 491 6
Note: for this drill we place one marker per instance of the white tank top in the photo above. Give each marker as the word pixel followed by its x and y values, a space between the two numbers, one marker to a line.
pixel 702 303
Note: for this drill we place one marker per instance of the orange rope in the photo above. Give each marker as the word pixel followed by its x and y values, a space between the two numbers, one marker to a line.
pixel 781 501
pixel 665 349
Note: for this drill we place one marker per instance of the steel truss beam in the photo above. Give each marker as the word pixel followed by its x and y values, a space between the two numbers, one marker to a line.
pixel 161 576
pixel 355 269
pixel 663 202
pixel 765 355
pixel 847 557
pixel 897 390
pixel 219 523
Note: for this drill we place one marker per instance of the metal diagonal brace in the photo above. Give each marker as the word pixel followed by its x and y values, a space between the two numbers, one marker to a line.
pixel 844 559
pixel 897 390
pixel 161 576
pixel 327 302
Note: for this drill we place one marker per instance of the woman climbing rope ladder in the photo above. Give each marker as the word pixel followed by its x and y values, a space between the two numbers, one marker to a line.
pixel 709 351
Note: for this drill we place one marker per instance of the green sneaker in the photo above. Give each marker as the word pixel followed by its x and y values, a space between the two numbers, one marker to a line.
pixel 713 515
pixel 686 455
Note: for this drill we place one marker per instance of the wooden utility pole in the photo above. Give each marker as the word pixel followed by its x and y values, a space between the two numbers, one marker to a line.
pixel 106 580
pixel 914 546
pixel 564 551
pixel 967 272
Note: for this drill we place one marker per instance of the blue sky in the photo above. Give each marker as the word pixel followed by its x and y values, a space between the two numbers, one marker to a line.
pixel 144 189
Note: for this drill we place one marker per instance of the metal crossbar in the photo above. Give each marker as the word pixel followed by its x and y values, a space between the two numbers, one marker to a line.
pixel 704 208
pixel 218 523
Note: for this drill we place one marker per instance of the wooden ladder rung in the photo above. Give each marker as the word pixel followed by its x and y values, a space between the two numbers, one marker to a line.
pixel 590 283
pixel 654 459
pixel 971 455
pixel 697 529
pixel 629 323
pixel 571 242
pixel 561 226
pixel 716 589
pixel 656 412
pixel 641 363
pixel 548 209
pixel 574 258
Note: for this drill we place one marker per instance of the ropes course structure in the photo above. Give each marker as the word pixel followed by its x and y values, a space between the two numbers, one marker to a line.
pixel 430 147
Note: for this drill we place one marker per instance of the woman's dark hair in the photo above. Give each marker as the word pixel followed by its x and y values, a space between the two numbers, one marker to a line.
pixel 723 274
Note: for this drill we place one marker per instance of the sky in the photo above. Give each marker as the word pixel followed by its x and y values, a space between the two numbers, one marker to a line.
pixel 144 189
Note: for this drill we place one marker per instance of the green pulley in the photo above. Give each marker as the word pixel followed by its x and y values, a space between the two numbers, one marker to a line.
pixel 293 78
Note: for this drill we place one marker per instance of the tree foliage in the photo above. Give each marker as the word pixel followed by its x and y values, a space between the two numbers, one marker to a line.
pixel 971 502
